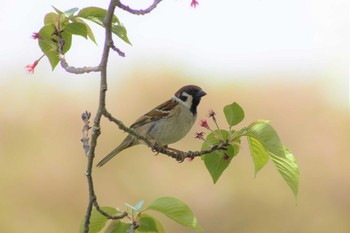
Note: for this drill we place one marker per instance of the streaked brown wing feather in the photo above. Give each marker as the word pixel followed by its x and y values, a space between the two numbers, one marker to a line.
pixel 158 112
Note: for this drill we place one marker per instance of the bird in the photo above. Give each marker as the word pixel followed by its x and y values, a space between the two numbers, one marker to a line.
pixel 167 123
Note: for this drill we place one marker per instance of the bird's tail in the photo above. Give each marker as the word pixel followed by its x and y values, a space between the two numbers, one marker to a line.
pixel 128 142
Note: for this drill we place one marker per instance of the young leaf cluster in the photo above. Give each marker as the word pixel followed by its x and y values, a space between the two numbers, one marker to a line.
pixel 142 222
pixel 62 25
pixel 263 141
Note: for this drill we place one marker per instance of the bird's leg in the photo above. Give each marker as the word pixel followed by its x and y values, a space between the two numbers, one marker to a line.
pixel 179 152
pixel 156 147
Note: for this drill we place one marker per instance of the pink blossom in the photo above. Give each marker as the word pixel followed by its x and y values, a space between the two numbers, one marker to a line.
pixel 35 35
pixel 212 114
pixel 204 124
pixel 30 68
pixel 200 135
pixel 194 3
pixel 191 158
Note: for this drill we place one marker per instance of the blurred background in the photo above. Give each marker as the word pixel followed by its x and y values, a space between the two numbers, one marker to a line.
pixel 284 61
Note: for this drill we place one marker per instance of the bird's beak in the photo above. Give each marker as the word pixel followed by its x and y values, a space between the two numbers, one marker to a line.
pixel 200 94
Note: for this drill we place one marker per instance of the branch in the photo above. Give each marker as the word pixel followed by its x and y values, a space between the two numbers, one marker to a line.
pixel 112 217
pixel 75 70
pixel 121 53
pixel 95 132
pixel 140 11
pixel 180 156
pixel 96 126
pixel 133 227
pixel 66 66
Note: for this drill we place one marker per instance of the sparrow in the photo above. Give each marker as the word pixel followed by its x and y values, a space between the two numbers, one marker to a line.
pixel 165 124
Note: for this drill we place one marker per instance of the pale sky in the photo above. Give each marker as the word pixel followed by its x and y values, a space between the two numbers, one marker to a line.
pixel 218 37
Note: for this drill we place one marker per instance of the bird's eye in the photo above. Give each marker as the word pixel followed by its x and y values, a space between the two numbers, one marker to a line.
pixel 183 97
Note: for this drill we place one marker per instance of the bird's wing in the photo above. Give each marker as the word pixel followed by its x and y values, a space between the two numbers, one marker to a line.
pixel 163 110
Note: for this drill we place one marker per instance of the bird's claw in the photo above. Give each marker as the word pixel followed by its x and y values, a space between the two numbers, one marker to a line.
pixel 182 156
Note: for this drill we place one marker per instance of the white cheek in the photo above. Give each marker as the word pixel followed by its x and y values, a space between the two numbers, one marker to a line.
pixel 188 102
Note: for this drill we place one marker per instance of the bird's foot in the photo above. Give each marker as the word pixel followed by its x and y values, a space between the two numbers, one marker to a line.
pixel 181 155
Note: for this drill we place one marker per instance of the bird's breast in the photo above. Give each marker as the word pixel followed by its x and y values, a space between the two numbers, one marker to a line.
pixel 173 128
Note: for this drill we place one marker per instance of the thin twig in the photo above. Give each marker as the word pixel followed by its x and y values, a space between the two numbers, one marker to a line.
pixel 113 217
pixel 140 11
pixel 77 70
pixel 66 66
pixel 121 53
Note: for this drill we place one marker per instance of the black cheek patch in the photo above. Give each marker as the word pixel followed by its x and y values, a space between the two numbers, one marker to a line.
pixel 183 98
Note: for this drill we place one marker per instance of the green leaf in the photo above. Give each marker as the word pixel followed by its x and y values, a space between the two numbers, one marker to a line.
pixel 136 207
pixel 284 161
pixel 97 220
pixel 77 29
pixel 149 224
pixel 259 154
pixel 267 136
pixel 289 170
pixel 62 17
pixel 117 226
pixel 176 210
pixel 51 18
pixel 58 11
pixel 139 205
pixel 97 15
pixel 89 32
pixel 217 161
pixel 67 37
pixel 234 114
pixel 46 44
pixel 94 14
pixel 120 31
pixel 70 12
